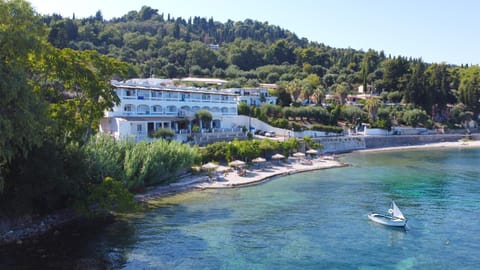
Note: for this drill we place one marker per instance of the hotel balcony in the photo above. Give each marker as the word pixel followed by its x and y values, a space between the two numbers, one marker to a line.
pixel 143 110
pixel 177 98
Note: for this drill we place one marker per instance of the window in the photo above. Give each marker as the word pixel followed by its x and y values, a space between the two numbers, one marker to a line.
pixel 128 108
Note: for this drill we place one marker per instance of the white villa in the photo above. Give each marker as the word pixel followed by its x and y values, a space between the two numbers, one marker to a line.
pixel 148 104
pixel 253 96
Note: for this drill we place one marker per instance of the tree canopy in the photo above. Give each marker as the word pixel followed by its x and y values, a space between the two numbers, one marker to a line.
pixel 250 52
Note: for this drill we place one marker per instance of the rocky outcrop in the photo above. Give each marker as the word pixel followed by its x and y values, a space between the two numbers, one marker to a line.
pixel 17 229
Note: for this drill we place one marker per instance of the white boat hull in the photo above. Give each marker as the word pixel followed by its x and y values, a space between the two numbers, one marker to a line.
pixel 387 220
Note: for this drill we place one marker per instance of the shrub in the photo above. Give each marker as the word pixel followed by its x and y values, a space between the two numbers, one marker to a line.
pixel 162 133
pixel 108 196
pixel 280 123
pixel 333 129
pixel 415 117
pixel 157 162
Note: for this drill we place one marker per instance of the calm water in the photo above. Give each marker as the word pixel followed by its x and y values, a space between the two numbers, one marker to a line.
pixel 315 220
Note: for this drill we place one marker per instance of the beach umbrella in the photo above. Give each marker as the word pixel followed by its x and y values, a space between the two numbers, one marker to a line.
pixel 237 163
pixel 209 166
pixel 259 160
pixel 222 169
pixel 298 154
pixel 278 156
pixel 312 151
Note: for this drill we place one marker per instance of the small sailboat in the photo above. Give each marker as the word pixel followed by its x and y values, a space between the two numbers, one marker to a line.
pixel 394 217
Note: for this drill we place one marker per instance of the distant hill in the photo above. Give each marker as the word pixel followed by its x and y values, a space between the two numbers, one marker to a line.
pixel 251 52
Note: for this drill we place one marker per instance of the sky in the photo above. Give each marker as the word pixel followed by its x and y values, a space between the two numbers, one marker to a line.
pixel 434 30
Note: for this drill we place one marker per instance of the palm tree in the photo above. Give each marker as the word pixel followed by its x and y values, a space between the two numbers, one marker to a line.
pixel 372 105
pixel 341 92
pixel 318 95
pixel 294 88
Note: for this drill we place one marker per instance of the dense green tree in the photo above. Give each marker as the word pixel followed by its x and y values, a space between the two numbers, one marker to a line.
pixel 199 54
pixel 146 13
pixel 437 86
pixel 62 32
pixel 469 89
pixel 55 98
pixel 284 98
pixel 415 91
pixel 415 117
pixel 247 54
pixel 22 116
pixel 281 51
pixel 79 84
pixel 352 113
pixel 395 72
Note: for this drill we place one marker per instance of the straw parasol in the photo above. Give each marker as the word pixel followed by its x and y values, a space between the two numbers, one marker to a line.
pixel 209 166
pixel 298 154
pixel 278 156
pixel 236 163
pixel 222 169
pixel 259 160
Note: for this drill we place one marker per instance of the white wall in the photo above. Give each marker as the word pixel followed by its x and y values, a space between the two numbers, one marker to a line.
pixel 376 131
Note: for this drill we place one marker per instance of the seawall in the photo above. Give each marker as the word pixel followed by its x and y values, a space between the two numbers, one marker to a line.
pixel 344 144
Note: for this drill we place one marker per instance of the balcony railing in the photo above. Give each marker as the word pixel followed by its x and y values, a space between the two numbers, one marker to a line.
pixel 179 99
pixel 151 113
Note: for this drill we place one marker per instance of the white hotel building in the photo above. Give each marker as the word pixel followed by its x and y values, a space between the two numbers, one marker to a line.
pixel 253 96
pixel 148 104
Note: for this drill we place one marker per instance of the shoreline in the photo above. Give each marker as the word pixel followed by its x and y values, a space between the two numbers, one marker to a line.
pixel 259 175
pixel 26 229
pixel 455 144
pixel 232 179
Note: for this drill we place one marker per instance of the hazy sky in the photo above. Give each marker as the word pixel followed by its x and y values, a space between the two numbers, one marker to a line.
pixel 435 30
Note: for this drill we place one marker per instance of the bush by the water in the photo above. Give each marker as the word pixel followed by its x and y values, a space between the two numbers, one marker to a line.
pixel 246 150
pixel 139 164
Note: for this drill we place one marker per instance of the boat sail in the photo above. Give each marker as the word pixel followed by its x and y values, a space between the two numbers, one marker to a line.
pixel 396 211
pixel 394 218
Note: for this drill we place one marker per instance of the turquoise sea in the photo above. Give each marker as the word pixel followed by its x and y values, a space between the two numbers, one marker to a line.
pixel 314 220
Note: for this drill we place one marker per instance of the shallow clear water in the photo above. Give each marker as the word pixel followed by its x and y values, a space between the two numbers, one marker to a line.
pixel 314 220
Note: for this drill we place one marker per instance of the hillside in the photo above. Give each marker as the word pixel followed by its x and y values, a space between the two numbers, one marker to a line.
pixel 251 52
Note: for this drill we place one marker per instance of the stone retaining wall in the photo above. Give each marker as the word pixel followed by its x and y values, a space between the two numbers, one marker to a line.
pixel 343 144
pixel 406 140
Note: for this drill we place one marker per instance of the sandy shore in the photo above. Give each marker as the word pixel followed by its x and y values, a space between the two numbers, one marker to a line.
pixel 457 144
pixel 260 174
pixel 254 175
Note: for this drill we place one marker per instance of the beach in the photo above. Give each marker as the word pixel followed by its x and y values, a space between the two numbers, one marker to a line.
pixel 458 144
pixel 232 178
pixel 257 174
